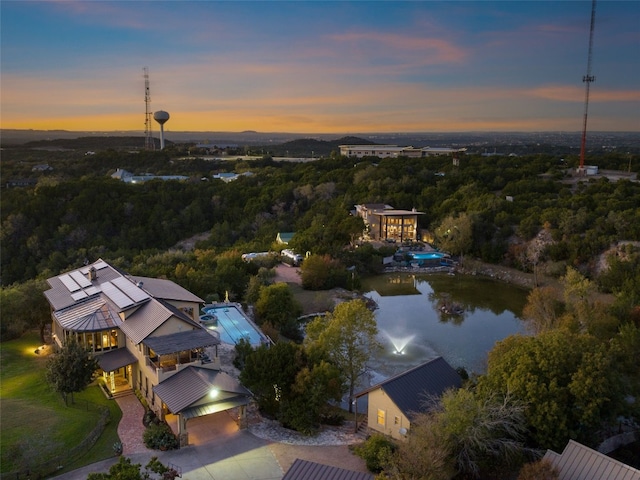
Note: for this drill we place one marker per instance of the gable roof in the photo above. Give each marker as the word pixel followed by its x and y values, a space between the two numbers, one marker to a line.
pixel 166 289
pixel 98 296
pixel 306 470
pixel 192 384
pixel 579 462
pixel 409 389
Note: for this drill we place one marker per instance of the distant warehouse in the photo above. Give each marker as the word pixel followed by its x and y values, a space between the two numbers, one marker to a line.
pixel 394 151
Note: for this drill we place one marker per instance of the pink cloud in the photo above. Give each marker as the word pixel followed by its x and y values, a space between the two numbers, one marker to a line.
pixel 569 93
pixel 434 50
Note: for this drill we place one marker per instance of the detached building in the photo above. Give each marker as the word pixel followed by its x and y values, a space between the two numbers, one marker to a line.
pixel 394 151
pixel 394 402
pixel 385 223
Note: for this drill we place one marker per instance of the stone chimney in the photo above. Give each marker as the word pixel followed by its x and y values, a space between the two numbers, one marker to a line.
pixel 91 274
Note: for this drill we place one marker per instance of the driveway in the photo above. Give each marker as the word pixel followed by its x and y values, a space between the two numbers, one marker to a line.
pixel 218 450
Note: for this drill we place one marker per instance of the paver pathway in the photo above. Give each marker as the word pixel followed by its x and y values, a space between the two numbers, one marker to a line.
pixel 130 428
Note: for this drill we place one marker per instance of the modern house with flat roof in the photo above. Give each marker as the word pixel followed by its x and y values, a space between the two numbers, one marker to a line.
pixel 393 403
pixel 394 151
pixel 146 335
pixel 385 223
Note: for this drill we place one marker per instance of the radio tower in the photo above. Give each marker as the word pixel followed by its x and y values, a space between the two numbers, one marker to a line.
pixel 587 79
pixel 148 138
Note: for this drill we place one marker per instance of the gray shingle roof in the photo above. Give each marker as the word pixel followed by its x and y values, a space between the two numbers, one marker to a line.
pixel 181 341
pixel 579 462
pixel 409 390
pixel 305 470
pixel 192 384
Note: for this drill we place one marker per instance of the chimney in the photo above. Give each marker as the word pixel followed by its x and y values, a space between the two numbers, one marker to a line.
pixel 91 274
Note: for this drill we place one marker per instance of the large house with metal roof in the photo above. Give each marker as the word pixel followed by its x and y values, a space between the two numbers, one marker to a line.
pixel 394 402
pixel 145 334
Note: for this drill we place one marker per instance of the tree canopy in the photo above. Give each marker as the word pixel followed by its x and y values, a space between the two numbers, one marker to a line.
pixel 71 369
pixel 348 337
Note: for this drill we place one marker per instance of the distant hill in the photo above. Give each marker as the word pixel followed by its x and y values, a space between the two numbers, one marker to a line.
pixel 92 143
pixel 307 147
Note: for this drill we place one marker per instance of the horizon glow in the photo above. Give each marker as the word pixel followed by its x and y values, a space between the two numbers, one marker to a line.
pixel 319 67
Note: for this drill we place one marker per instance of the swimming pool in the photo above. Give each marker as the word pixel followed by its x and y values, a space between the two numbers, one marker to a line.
pixel 232 324
pixel 427 255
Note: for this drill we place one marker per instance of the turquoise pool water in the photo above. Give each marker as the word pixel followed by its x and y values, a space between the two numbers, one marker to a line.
pixel 426 255
pixel 232 325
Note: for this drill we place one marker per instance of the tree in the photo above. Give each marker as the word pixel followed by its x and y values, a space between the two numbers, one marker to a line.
pixel 462 432
pixel 277 305
pixel 270 373
pixel 71 369
pixel 348 337
pixel 578 296
pixel 126 470
pixel 567 380
pixel 455 234
pixel 540 310
pixel 321 272
pixel 540 470
pixel 482 432
pixel 288 387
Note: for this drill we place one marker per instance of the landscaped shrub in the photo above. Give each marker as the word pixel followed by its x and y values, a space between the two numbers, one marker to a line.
pixel 376 452
pixel 331 419
pixel 159 436
pixel 149 417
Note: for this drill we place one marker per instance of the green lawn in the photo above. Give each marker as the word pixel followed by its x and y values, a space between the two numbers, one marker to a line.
pixel 36 424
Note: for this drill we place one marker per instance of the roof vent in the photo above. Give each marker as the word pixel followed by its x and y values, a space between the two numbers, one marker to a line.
pixel 139 284
pixel 91 274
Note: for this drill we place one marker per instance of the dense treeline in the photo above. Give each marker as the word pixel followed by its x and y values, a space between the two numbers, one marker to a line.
pixel 77 212
pixel 82 213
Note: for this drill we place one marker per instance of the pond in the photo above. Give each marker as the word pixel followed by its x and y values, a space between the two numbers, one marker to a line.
pixel 458 317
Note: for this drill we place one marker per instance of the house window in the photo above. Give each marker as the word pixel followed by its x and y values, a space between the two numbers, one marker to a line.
pixel 396 420
pixel 381 417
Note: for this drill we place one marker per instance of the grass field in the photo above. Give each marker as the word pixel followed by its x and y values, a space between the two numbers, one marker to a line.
pixel 36 424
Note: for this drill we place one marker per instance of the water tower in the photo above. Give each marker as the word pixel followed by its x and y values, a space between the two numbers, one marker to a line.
pixel 161 117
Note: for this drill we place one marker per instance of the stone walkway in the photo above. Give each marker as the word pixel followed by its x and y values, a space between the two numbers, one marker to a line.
pixel 131 428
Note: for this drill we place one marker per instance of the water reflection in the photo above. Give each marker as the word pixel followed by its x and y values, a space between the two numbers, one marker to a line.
pixel 411 319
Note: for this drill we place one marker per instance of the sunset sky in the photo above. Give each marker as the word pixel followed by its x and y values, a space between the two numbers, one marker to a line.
pixel 320 67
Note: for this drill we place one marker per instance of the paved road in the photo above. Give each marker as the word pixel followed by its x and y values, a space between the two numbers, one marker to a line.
pixel 239 456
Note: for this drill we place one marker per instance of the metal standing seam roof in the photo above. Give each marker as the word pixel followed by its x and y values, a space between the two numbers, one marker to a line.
pixel 115 359
pixel 166 289
pixel 409 389
pixel 306 470
pixel 190 385
pixel 180 341
pixel 90 315
pixel 579 462
pixel 145 320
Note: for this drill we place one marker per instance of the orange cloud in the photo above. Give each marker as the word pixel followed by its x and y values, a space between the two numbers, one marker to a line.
pixel 569 93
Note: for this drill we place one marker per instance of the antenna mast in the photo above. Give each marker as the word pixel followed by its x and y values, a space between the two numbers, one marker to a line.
pixel 587 79
pixel 148 138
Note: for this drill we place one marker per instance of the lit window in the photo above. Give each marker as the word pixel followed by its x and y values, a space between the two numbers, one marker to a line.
pixel 381 414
